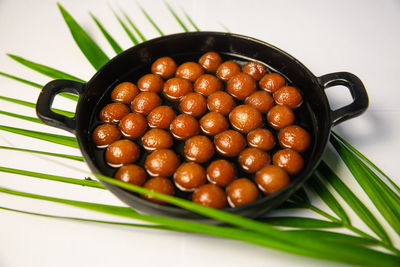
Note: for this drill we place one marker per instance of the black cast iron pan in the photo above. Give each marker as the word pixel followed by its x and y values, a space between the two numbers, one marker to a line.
pixel 314 115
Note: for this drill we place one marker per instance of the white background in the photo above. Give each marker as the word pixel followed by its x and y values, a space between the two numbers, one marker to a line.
pixel 361 37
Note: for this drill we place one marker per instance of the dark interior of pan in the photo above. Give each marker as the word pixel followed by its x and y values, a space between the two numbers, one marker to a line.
pixel 313 115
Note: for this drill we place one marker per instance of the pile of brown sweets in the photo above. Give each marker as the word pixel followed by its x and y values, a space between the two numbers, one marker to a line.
pixel 226 115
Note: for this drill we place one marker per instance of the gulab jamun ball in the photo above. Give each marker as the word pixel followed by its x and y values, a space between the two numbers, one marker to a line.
pixel 193 104
pixel 133 125
pixel 184 126
pixel 122 152
pixel 241 86
pixel 162 162
pixel 210 195
pixel 210 61
pixel 113 113
pixel 145 102
pixel 160 185
pixel 105 134
pixel 189 176
pixel 124 92
pixel 221 102
pixel 199 149
pixel 245 118
pixel 221 133
pixel 161 117
pixel 241 191
pixel 132 174
pixel 164 66
pixel 176 87
pixel 220 172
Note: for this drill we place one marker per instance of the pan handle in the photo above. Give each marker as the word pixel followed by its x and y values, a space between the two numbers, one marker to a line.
pixel 357 90
pixel 45 101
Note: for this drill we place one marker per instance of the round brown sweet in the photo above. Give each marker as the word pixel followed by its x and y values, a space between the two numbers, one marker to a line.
pixel 157 139
pixel 105 134
pixel 221 102
pixel 132 174
pixel 164 66
pixel 210 61
pixel 272 82
pixel 280 116
pixel 229 143
pixel 260 100
pixel 261 138
pixel 241 86
pixel 241 191
pixel 151 83
pixel 213 123
pixel 184 126
pixel 220 172
pixel 113 113
pixel 161 117
pixel 124 92
pixel 255 69
pixel 207 84
pixel 145 102
pixel 190 71
pixel 189 176
pixel 122 152
pixel 133 125
pixel 294 137
pixel 160 185
pixel 193 104
pixel 177 87
pixel 210 195
pixel 271 179
pixel 198 149
pixel 245 118
pixel 289 96
pixel 227 70
pixel 161 162
pixel 253 159
pixel 289 160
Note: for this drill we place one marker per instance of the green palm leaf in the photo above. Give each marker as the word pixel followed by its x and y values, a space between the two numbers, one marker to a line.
pixel 384 199
pixel 54 138
pixel 300 222
pixel 89 48
pixel 150 20
pixel 352 200
pixel 22 117
pixel 83 182
pixel 126 29
pixel 109 38
pixel 176 17
pixel 133 26
pixel 77 158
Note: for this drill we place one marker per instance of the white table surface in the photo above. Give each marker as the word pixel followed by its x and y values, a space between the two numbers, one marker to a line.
pixel 361 37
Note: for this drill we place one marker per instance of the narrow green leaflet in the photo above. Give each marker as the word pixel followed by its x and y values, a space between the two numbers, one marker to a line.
pixel 384 199
pixel 366 160
pixel 328 198
pixel 150 20
pixel 352 200
pixel 77 158
pixel 338 237
pixel 89 48
pixel 173 13
pixel 111 41
pixel 191 21
pixel 83 182
pixel 87 220
pixel 21 80
pixel 336 252
pixel 48 71
pixel 22 117
pixel 67 95
pixel 54 138
pixel 126 29
pixel 300 222
pixel 133 26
